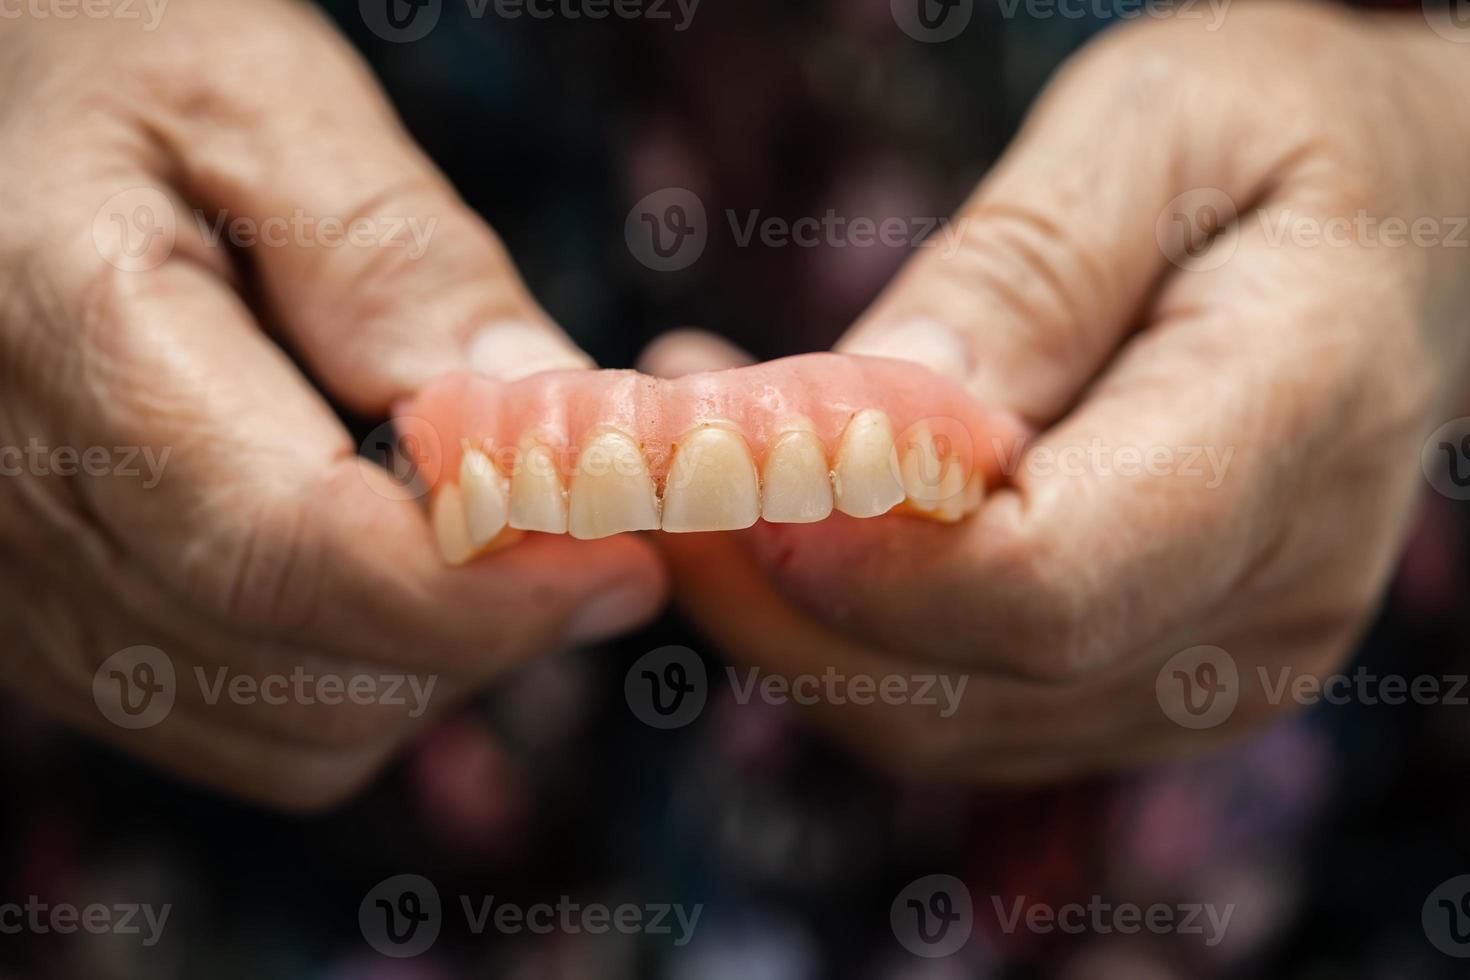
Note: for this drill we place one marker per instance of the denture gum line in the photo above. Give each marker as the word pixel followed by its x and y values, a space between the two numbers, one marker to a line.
pixel 713 484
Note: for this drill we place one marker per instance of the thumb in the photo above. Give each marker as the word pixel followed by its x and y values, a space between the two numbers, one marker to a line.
pixel 681 352
pixel 1030 288
pixel 369 264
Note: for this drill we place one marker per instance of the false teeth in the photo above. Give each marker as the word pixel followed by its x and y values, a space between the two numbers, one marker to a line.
pixel 865 475
pixel 712 484
pixel 612 491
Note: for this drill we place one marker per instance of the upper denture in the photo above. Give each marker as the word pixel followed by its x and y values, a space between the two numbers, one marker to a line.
pixel 709 451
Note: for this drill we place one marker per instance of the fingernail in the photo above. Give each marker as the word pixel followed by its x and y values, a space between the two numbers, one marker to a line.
pixel 609 614
pixel 511 349
pixel 937 346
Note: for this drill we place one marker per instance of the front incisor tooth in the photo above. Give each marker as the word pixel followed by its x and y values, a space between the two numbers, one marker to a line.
pixel 449 526
pixel 797 486
pixel 865 476
pixel 483 491
pixel 538 501
pixel 712 484
pixel 611 490
pixel 932 483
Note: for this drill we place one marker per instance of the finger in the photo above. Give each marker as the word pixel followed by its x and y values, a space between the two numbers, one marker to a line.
pixel 261 513
pixel 682 352
pixel 1166 491
pixel 370 264
pixel 1029 289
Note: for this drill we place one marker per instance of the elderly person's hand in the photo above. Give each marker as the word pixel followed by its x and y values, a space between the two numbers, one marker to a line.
pixel 184 203
pixel 1217 270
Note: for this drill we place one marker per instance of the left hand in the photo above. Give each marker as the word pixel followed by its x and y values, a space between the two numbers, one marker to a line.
pixel 1312 371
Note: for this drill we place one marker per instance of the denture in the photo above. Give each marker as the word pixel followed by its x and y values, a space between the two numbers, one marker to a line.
pixel 597 453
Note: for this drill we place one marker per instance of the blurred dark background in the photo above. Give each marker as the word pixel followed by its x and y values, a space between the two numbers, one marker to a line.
pixel 1327 831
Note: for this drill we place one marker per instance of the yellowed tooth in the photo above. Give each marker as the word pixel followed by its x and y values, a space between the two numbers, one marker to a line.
pixel 538 501
pixel 447 514
pixel 611 490
pixel 712 484
pixel 482 490
pixel 931 482
pixel 865 476
pixel 797 484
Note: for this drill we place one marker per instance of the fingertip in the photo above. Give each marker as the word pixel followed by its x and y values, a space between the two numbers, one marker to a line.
pixel 509 350
pixel 690 351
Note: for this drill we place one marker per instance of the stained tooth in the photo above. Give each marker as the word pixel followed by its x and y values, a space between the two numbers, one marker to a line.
pixel 797 487
pixel 483 491
pixel 712 484
pixel 611 491
pixel 931 482
pixel 538 501
pixel 449 526
pixel 865 476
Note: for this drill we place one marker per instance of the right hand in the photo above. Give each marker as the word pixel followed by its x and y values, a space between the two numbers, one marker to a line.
pixel 264 544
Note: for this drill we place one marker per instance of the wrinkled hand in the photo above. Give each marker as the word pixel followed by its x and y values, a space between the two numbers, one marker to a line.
pixel 1231 410
pixel 172 479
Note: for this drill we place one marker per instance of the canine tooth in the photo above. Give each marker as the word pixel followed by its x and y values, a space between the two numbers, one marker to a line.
pixel 931 482
pixel 797 486
pixel 449 526
pixel 538 501
pixel 611 490
pixel 712 484
pixel 865 476
pixel 482 490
